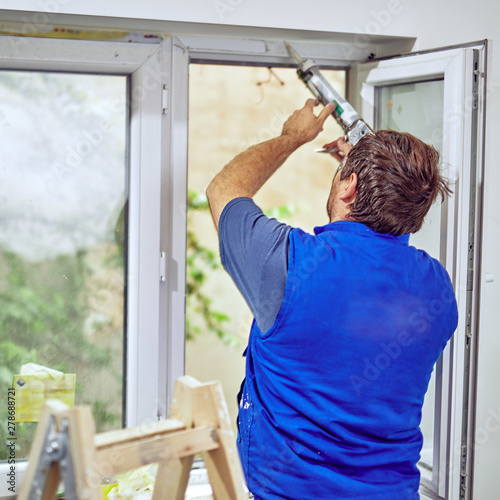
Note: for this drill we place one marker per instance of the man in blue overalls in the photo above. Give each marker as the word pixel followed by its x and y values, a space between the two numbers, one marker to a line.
pixel 349 322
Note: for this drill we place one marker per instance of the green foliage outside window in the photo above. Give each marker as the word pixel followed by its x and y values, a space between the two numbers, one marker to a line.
pixel 201 263
pixel 43 312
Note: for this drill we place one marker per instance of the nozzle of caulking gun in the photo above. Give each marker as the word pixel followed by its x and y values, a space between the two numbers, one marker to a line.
pixel 294 53
pixel 300 61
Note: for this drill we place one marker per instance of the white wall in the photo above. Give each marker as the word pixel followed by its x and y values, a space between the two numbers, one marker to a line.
pixel 434 23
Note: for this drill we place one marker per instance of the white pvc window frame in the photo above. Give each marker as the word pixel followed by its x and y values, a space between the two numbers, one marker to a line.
pixel 150 200
pixel 456 68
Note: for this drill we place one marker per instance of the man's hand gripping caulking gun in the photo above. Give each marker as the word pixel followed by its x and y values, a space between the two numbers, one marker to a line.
pixel 354 126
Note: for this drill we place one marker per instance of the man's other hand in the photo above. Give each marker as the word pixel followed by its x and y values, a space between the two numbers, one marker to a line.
pixel 303 125
pixel 343 146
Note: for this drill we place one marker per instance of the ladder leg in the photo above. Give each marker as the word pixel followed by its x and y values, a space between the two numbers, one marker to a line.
pixel 198 404
pixel 53 480
pixel 81 429
pixel 35 483
pixel 172 479
pixel 223 464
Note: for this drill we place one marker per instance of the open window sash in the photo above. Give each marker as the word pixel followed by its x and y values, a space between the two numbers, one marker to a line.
pixel 459 73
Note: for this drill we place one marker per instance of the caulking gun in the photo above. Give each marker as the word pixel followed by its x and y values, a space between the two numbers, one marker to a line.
pixel 354 126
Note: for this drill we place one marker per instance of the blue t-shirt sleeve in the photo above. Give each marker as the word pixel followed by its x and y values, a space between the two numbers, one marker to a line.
pixel 254 251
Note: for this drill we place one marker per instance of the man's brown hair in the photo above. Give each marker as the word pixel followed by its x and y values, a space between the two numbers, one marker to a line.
pixel 398 181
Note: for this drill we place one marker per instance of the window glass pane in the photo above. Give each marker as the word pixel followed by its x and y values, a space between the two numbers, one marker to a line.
pixel 232 108
pixel 62 235
pixel 417 108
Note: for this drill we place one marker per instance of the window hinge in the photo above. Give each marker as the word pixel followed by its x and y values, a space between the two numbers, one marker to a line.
pixel 164 99
pixel 163 266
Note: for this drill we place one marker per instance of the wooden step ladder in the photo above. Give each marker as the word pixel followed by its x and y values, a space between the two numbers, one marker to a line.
pixel 66 447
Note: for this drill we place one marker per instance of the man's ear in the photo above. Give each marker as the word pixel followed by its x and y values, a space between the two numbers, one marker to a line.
pixel 348 191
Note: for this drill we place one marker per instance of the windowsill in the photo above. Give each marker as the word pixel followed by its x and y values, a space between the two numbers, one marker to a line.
pixel 426 494
pixel 198 487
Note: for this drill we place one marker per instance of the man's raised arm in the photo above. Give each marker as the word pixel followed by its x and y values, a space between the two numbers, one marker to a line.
pixel 250 170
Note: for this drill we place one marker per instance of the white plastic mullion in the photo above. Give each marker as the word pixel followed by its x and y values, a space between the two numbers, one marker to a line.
pixel 143 279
